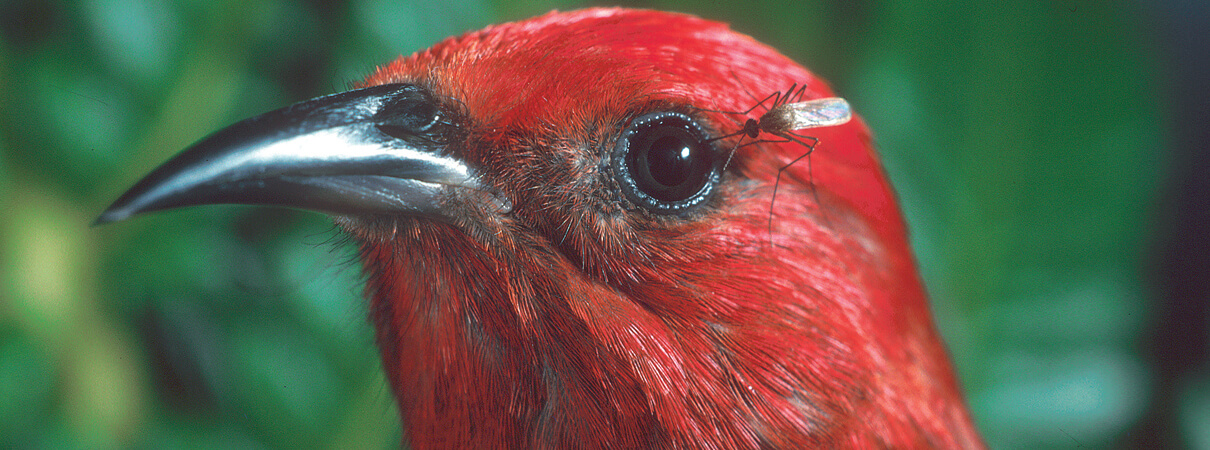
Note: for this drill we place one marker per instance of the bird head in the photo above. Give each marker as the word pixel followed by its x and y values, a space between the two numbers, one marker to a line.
pixel 559 250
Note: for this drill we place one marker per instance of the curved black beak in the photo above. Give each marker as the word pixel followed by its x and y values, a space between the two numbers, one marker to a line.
pixel 379 149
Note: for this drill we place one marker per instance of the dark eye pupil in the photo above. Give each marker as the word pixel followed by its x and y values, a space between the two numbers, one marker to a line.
pixel 664 162
pixel 669 161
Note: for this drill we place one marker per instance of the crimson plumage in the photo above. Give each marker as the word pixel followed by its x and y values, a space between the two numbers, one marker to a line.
pixel 543 308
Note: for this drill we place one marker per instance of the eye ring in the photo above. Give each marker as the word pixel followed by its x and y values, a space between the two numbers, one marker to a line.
pixel 664 163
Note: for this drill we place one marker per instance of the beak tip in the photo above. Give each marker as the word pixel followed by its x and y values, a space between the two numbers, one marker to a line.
pixel 103 219
pixel 110 215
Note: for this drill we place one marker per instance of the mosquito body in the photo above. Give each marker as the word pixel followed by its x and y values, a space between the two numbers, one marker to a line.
pixel 787 115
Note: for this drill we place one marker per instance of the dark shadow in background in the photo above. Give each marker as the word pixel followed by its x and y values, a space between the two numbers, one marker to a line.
pixel 1179 270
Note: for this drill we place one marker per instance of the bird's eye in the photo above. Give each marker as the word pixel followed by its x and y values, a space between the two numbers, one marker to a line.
pixel 664 163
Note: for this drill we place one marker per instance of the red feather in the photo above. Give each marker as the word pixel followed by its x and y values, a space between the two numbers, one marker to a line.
pixel 574 322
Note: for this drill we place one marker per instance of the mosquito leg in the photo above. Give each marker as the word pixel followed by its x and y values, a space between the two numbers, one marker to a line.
pixel 801 140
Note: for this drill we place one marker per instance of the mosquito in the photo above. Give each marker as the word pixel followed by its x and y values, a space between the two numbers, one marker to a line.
pixel 787 115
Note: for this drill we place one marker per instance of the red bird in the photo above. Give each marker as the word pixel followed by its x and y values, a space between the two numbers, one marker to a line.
pixel 557 255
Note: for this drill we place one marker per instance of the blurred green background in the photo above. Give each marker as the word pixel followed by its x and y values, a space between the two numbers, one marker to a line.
pixel 1028 141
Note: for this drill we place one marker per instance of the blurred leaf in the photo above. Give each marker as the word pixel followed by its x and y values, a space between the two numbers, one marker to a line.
pixel 137 38
pixel 26 385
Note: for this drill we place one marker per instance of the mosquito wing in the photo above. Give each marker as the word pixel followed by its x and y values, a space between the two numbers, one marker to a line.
pixel 823 112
